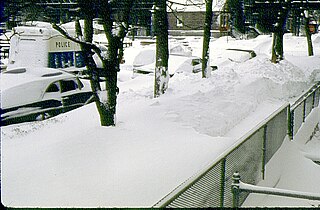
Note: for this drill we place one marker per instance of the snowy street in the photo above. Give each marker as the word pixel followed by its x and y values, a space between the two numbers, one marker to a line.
pixel 158 143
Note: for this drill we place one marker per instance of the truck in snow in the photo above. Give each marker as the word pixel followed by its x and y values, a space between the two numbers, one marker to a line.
pixel 39 45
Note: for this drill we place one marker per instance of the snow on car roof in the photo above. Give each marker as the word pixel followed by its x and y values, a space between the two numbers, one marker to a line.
pixel 24 85
pixel 147 55
pixel 18 76
pixel 175 62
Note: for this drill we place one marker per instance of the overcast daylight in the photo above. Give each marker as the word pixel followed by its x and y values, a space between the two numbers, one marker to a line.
pixel 160 103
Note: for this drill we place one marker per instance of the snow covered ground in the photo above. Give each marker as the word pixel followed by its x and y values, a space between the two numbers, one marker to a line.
pixel 71 161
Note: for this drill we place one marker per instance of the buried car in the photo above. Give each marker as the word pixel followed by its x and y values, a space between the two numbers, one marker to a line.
pixel 176 64
pixel 35 94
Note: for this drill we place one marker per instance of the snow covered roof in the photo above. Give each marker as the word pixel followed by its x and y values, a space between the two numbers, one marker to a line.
pixel 45 28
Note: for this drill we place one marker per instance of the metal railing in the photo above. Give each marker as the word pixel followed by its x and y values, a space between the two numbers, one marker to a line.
pixel 211 187
pixel 302 108
pixel 249 155
pixel 238 187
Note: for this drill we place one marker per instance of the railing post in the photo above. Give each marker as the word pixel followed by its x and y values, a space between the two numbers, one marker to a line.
pixel 290 122
pixel 222 182
pixel 235 188
pixel 314 98
pixel 304 110
pixel 264 150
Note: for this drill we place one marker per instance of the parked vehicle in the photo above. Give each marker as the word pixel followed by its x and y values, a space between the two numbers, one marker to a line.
pixel 35 94
pixel 147 55
pixel 176 64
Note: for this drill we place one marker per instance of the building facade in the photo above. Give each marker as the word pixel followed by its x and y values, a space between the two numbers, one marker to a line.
pixel 187 17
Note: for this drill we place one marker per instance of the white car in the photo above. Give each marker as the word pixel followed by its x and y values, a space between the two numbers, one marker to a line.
pixel 32 94
pixel 176 64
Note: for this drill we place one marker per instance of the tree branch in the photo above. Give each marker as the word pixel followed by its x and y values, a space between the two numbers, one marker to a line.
pixel 176 16
pixel 67 35
pixel 182 4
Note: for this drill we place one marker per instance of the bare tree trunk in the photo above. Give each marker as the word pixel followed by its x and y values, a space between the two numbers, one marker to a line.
pixel 92 68
pixel 111 64
pixel 105 101
pixel 277 44
pixel 308 34
pixel 112 68
pixel 296 23
pixel 273 49
pixel 206 71
pixel 277 47
pixel 162 52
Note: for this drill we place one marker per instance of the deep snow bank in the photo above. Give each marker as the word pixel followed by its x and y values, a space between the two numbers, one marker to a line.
pixel 215 105
pixel 157 144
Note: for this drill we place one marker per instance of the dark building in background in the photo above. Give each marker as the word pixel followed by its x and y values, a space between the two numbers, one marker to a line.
pixel 184 17
pixel 17 12
pixel 188 17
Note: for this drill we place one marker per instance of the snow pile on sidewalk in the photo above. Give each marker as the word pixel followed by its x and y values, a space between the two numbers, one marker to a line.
pixel 71 161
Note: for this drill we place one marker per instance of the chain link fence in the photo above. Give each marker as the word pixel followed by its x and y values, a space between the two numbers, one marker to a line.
pixel 249 156
pixel 212 187
pixel 302 108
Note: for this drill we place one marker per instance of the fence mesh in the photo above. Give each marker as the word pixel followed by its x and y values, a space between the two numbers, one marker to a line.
pixel 301 111
pixel 309 104
pixel 298 118
pixel 203 193
pixel 247 160
pixel 276 132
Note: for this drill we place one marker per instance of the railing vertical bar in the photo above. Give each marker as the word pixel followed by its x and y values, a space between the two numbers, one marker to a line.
pixel 314 98
pixel 290 122
pixel 264 150
pixel 222 181
pixel 304 110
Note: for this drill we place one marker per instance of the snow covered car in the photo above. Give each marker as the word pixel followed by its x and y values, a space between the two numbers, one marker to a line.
pixel 34 94
pixel 176 64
